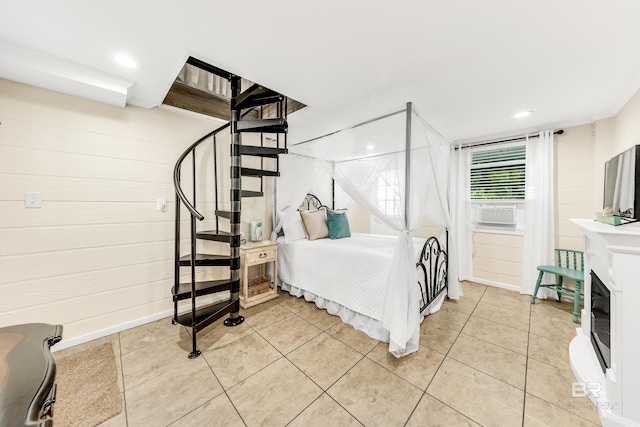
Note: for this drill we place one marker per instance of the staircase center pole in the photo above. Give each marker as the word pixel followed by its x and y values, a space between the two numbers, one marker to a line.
pixel 236 185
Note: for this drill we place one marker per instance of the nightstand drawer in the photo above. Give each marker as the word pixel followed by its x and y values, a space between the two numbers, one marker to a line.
pixel 260 255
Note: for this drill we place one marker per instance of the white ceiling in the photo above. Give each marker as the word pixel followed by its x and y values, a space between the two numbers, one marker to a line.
pixel 467 65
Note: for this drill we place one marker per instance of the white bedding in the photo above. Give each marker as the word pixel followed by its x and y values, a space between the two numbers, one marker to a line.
pixel 348 273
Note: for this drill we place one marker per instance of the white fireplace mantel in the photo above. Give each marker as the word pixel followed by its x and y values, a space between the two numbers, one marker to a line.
pixel 613 253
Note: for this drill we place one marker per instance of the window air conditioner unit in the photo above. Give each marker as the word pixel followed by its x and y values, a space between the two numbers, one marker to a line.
pixel 501 215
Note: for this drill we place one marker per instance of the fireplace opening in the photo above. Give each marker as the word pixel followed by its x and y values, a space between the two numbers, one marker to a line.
pixel 600 321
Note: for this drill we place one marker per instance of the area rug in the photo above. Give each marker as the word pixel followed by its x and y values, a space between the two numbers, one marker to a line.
pixel 88 392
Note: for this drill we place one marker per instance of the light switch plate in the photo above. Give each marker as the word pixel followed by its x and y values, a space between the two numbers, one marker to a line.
pixel 161 205
pixel 32 199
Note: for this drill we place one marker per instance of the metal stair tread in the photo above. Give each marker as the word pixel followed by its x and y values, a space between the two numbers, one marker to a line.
pixel 218 236
pixel 248 193
pixel 223 214
pixel 256 96
pixel 203 259
pixel 271 152
pixel 202 288
pixel 277 125
pixel 258 172
pixel 205 315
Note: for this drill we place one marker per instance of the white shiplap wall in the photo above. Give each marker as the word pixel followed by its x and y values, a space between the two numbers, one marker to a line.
pixel 576 167
pixel 97 257
pixel 497 258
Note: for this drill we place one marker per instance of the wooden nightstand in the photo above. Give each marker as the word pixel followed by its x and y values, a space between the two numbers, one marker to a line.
pixel 263 288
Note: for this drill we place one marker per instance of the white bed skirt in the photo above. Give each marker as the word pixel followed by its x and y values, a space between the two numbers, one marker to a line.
pixel 366 324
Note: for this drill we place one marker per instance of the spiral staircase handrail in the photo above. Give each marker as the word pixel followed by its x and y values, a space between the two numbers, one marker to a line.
pixel 176 171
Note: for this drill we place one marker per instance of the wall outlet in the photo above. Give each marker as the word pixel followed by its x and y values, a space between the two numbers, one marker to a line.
pixel 32 199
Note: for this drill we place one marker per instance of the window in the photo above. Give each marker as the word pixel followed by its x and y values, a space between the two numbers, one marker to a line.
pixel 497 187
pixel 498 173
pixel 389 193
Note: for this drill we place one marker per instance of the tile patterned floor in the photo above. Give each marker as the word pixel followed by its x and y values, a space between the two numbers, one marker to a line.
pixel 490 359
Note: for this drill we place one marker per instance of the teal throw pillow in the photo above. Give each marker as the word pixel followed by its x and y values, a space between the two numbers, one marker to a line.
pixel 338 225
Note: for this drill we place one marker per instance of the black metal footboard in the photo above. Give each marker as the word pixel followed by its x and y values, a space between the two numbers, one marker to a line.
pixel 432 272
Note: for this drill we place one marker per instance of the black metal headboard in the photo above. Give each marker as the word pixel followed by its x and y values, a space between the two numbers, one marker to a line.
pixel 310 202
pixel 432 271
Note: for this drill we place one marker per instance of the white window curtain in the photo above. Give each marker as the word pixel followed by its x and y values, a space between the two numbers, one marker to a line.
pixel 355 158
pixel 461 211
pixel 538 246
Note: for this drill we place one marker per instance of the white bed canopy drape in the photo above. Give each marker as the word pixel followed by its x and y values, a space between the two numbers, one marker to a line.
pixel 299 175
pixel 395 167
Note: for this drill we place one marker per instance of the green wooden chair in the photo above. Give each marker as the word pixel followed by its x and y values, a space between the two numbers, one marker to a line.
pixel 567 267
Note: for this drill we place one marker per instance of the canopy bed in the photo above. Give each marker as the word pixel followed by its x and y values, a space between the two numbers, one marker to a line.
pixel 348 276
pixel 395 167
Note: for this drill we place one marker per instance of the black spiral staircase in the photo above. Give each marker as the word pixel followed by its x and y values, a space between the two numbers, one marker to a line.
pixel 187 294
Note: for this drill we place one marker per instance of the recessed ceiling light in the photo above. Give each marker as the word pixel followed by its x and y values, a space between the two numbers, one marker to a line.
pixel 126 61
pixel 370 147
pixel 521 114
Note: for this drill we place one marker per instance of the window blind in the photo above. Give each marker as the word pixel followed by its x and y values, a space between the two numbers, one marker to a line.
pixel 498 173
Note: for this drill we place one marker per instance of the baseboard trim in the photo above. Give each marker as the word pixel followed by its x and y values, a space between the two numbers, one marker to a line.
pixel 496 284
pixel 127 325
pixel 109 331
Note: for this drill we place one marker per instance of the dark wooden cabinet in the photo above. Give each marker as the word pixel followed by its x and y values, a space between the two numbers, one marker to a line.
pixel 27 374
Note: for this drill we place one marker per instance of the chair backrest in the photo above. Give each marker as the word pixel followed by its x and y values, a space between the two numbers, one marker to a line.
pixel 568 258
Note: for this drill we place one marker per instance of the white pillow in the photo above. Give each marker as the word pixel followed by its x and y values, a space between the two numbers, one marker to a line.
pixel 294 229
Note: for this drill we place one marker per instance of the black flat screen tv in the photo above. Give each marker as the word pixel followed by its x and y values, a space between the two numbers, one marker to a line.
pixel 622 184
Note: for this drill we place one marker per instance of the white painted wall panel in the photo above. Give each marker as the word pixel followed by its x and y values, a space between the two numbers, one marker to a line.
pixel 31 161
pixel 17 241
pixel 26 134
pixel 498 258
pixel 62 188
